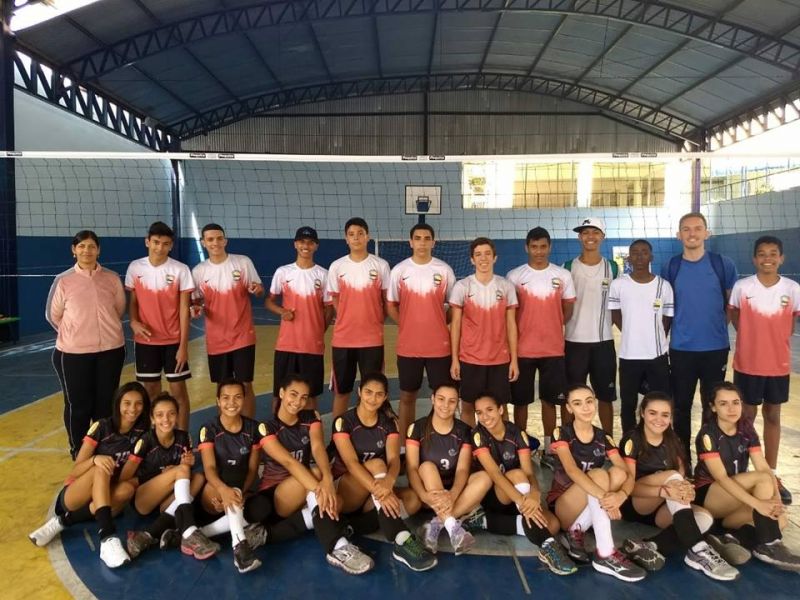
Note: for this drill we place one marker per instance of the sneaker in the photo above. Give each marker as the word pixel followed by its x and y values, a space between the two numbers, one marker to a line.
pixel 644 553
pixel 711 563
pixel 573 542
pixel 475 521
pixel 777 554
pixel 554 557
pixel 414 555
pixel 618 565
pixel 199 546
pixel 429 533
pixel 45 534
pixel 729 548
pixel 350 559
pixel 548 460
pixel 112 553
pixel 138 542
pixel 786 495
pixel 170 538
pixel 461 540
pixel 256 535
pixel 243 557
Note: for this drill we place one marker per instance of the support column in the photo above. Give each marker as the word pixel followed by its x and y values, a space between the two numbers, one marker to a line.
pixel 9 303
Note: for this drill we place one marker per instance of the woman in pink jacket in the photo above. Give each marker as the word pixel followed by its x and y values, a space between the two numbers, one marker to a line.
pixel 85 306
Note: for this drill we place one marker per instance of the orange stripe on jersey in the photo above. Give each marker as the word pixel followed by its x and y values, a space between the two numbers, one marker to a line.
pixel 559 444
pixel 91 441
pixel 630 460
pixel 523 450
pixel 612 452
pixel 342 435
pixel 466 446
pixel 392 435
pixel 479 451
pixel 256 446
pixel 315 425
pixel 410 442
pixel 135 459
pixel 205 445
pixel 754 449
pixel 707 455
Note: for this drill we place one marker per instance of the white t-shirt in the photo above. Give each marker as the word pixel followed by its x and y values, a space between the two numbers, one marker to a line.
pixel 591 319
pixel 643 305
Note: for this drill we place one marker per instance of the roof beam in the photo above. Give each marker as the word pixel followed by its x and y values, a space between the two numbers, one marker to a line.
pixel 376 43
pixel 624 110
pixel 315 41
pixel 601 57
pixel 492 35
pixel 687 23
pixel 555 31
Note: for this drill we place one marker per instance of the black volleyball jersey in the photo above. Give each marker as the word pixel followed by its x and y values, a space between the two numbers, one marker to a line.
pixel 153 458
pixel 297 441
pixel 369 442
pixel 734 450
pixel 232 450
pixel 506 452
pixel 440 449
pixel 647 460
pixel 107 441
pixel 588 456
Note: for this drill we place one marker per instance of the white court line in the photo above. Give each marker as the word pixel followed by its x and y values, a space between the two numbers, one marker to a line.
pixel 520 572
pixel 18 449
pixel 29 446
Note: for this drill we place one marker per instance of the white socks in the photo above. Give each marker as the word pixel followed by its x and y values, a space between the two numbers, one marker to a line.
pixel 450 524
pixel 374 499
pixel 674 506
pixel 602 527
pixel 583 520
pixel 236 522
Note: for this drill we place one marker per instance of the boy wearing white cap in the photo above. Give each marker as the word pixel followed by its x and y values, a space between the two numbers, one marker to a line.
pixel 589 343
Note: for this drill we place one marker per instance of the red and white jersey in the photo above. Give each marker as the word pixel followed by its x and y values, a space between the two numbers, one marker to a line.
pixel 484 339
pixel 421 291
pixel 359 288
pixel 540 316
pixel 229 317
pixel 158 297
pixel 303 291
pixel 766 317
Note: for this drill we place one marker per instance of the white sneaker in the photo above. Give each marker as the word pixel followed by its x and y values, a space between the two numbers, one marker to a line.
pixel 112 553
pixel 45 534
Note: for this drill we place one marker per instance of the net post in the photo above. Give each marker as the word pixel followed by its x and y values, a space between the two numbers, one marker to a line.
pixel 9 301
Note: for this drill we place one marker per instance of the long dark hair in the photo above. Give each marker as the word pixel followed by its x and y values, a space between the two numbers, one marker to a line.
pixel 745 423
pixel 427 431
pixel 676 457
pixel 116 400
pixel 287 381
pixel 377 376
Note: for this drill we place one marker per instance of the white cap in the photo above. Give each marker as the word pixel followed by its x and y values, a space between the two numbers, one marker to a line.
pixel 591 222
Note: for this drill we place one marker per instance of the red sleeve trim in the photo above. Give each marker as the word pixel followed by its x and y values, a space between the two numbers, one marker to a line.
pixel 205 445
pixel 341 435
pixel 707 455
pixel 135 459
pixel 391 435
pixel 754 449
pixel 479 451
pixel 465 445
pixel 268 437
pixel 559 444
pixel 630 460
pixel 523 450
pixel 612 451
pixel 315 424
pixel 410 442
pixel 91 441
pixel 257 446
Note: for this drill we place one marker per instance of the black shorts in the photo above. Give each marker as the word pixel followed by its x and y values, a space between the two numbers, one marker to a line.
pixel 409 371
pixel 759 388
pixel 311 366
pixel 476 379
pixel 239 364
pixel 491 504
pixel 700 495
pixel 151 360
pixel 552 381
pixel 598 362
pixel 631 515
pixel 345 361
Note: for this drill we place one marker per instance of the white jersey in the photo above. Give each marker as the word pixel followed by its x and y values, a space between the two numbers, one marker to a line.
pixel 591 319
pixel 303 291
pixel 643 307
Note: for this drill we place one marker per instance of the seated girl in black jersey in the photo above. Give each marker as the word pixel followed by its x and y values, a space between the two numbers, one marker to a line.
pixel 93 486
pixel 366 464
pixel 161 466
pixel 304 497
pixel 662 497
pixel 230 447
pixel 748 502
pixel 586 496
pixel 509 493
pixel 438 462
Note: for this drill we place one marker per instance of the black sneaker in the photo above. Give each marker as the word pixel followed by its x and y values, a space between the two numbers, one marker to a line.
pixel 414 555
pixel 786 495
pixel 475 521
pixel 574 544
pixel 617 565
pixel 170 538
pixel 244 558
pixel 644 553
pixel 778 555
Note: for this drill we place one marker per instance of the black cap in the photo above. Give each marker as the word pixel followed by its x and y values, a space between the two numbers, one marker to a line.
pixel 306 233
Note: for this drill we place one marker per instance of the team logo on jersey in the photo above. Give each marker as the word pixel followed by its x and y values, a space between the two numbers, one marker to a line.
pixel 555 282
pixel 237 275
pixel 707 442
pixel 317 284
pixel 170 278
pixel 598 452
pixel 498 295
pixel 437 279
pixel 305 439
pixel 373 274
pixel 784 301
pixel 93 428
pixel 379 443
pixel 452 452
pixel 203 435
pixel 525 438
pixel 410 431
pixel 657 304
pixel 476 438
pixel 628 447
pixel 262 429
pixel 138 446
pixel 606 283
pixel 339 425
pixel 741 449
pixel 244 450
pixel 507 455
